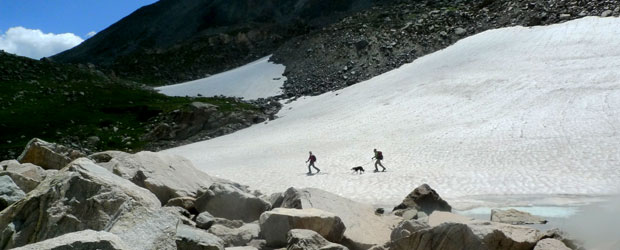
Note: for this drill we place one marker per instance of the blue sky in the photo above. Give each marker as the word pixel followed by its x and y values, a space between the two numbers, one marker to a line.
pixel 54 17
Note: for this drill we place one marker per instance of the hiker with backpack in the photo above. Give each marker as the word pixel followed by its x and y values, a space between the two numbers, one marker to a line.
pixel 379 157
pixel 312 159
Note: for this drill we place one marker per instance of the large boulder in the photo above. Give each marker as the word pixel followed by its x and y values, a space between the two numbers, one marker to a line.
pixel 406 228
pixel 146 228
pixel 9 192
pixel 358 218
pixel 492 235
pixel 275 224
pixel 231 201
pixel 447 236
pixel 303 239
pixel 167 176
pixel 550 244
pixel 48 155
pixel 189 238
pixel 87 239
pixel 424 199
pixel 79 197
pixel 27 176
pixel 239 236
pixel 515 217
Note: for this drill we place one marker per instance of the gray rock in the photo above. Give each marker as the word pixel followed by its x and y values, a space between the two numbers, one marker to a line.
pixel 447 236
pixel 276 199
pixel 424 199
pixel 606 13
pixel 303 239
pixel 515 217
pixel 550 244
pixel 27 176
pixel 460 31
pixel 188 238
pixel 229 201
pixel 358 218
pixel 406 228
pixel 167 176
pixel 48 155
pixel 79 197
pixel 186 203
pixel 204 220
pixel 87 239
pixel 9 192
pixel 275 224
pixel 236 236
pixel 491 234
pixel 242 248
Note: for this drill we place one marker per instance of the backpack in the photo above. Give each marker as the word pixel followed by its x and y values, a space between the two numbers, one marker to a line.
pixel 379 155
pixel 312 158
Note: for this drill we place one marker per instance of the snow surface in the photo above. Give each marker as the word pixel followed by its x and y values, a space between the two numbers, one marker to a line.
pixel 258 79
pixel 514 111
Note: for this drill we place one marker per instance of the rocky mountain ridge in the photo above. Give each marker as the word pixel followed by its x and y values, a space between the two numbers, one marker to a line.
pixel 383 38
pixel 172 41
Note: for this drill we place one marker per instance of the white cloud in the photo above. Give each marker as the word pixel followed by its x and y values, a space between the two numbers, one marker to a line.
pixel 91 34
pixel 36 44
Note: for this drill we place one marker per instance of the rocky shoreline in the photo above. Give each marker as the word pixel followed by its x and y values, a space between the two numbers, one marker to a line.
pixel 52 198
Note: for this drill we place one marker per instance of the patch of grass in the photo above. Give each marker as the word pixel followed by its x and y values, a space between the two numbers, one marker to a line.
pixel 69 103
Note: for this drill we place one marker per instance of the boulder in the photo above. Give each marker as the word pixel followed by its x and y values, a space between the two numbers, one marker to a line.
pixel 204 220
pixel 48 155
pixel 231 201
pixel 185 202
pixel 492 235
pixel 9 192
pixel 242 248
pixel 189 238
pixel 424 199
pixel 167 176
pixel 145 228
pixel 358 218
pixel 275 224
pixel 236 236
pixel 406 228
pixel 79 197
pixel 87 239
pixel 447 236
pixel 550 244
pixel 27 176
pixel 515 217
pixel 276 199
pixel 303 239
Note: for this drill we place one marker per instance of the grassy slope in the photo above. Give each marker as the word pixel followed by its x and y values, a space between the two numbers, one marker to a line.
pixel 67 103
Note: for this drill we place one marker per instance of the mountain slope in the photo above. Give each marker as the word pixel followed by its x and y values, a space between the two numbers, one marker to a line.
pixel 514 111
pixel 175 40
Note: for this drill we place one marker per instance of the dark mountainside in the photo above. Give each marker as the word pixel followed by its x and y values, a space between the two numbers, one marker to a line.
pixel 177 40
pixel 385 37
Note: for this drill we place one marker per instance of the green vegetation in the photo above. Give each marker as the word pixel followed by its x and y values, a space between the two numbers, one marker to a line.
pixel 68 104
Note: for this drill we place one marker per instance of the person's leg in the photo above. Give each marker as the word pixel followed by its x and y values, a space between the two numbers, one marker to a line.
pixel 317 169
pixel 309 170
pixel 376 163
pixel 381 165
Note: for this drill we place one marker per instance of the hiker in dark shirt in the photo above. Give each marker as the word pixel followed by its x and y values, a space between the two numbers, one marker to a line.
pixel 312 159
pixel 379 157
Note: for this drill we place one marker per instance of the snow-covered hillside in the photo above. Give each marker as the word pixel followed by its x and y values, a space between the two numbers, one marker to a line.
pixel 260 78
pixel 529 112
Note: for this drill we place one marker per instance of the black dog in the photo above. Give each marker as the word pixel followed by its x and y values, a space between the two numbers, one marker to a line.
pixel 358 169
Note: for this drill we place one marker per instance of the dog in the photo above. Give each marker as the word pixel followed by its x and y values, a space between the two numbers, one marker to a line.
pixel 358 169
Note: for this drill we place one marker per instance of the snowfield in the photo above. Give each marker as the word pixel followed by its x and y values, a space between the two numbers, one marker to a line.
pixel 514 112
pixel 258 79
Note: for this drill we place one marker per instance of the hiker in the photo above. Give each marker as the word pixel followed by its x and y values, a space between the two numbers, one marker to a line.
pixel 312 159
pixel 379 157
